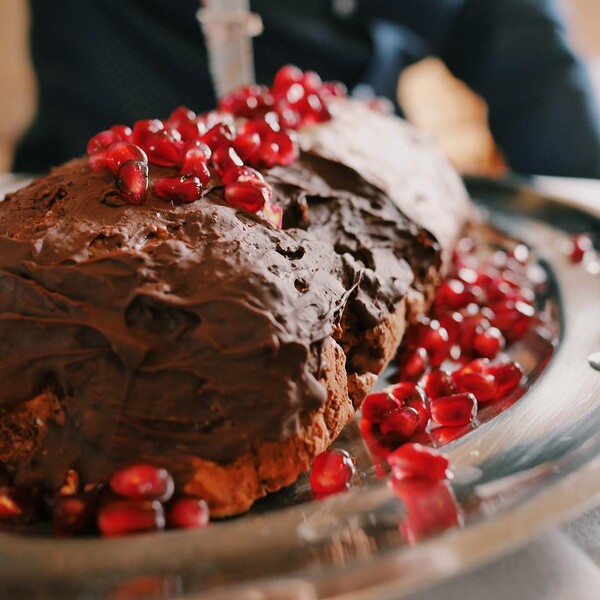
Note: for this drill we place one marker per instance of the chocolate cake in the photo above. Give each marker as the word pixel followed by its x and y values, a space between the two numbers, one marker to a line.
pixel 199 336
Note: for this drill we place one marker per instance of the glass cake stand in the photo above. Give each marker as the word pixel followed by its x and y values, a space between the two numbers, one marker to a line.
pixel 528 465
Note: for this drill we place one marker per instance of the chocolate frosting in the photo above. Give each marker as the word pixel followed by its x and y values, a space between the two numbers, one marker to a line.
pixel 175 330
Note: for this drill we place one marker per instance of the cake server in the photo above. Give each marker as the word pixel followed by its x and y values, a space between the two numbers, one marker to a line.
pixel 229 27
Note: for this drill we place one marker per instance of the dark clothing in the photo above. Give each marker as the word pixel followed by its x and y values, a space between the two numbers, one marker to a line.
pixel 115 61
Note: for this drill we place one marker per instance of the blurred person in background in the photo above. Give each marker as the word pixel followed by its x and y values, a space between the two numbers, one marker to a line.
pixel 116 61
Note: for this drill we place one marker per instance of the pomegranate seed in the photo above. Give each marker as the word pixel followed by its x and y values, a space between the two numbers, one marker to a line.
pixel 285 77
pixel 413 364
pixel 268 154
pixel 376 405
pixel 479 365
pixel 312 109
pixel 144 130
pixel 197 145
pixel 214 117
pixel 188 513
pixel 164 149
pixel 288 148
pixel 311 81
pixel 453 410
pixel 438 383
pixel 181 113
pixel 481 385
pixel 247 102
pixel 485 277
pixel 132 181
pixel 508 377
pixel 190 130
pixel 437 343
pixel 407 390
pixel 512 318
pixel 122 133
pixel 288 118
pixel 371 436
pixel 471 326
pixel 444 435
pixel 453 295
pixel 101 141
pixel 247 146
pixel 17 505
pixel 411 395
pixel 414 461
pixel 122 517
pixel 501 289
pixel 250 195
pixel 294 93
pixel 247 174
pixel 184 188
pixel 120 152
pixel 398 426
pixel 488 343
pixel 581 244
pixel 258 104
pixel 452 323
pixel 422 408
pixel 273 214
pixel 185 122
pixel 331 472
pixel 143 481
pixel 220 135
pixel 226 159
pixel 431 508
pixel 72 514
pixel 98 161
pixel 265 127
pixel 195 164
pixel 475 310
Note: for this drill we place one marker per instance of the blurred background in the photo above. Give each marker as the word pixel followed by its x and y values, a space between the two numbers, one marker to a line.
pixel 428 94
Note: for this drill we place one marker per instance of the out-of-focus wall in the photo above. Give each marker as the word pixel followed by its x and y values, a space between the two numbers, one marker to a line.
pixel 17 89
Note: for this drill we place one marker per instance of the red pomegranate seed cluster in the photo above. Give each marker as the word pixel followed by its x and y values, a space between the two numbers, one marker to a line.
pixel 138 498
pixel 451 363
pixel 210 146
pixel 144 503
pixel 483 305
pixel 296 97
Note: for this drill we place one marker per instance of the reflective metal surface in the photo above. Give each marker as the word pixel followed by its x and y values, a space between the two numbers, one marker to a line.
pixel 535 463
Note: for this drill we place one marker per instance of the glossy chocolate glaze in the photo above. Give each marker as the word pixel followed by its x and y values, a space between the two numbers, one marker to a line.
pixel 175 330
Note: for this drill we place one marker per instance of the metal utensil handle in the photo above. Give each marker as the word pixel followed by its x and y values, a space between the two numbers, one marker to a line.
pixel 229 27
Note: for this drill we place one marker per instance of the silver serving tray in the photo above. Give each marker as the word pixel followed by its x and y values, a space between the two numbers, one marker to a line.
pixel 536 463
